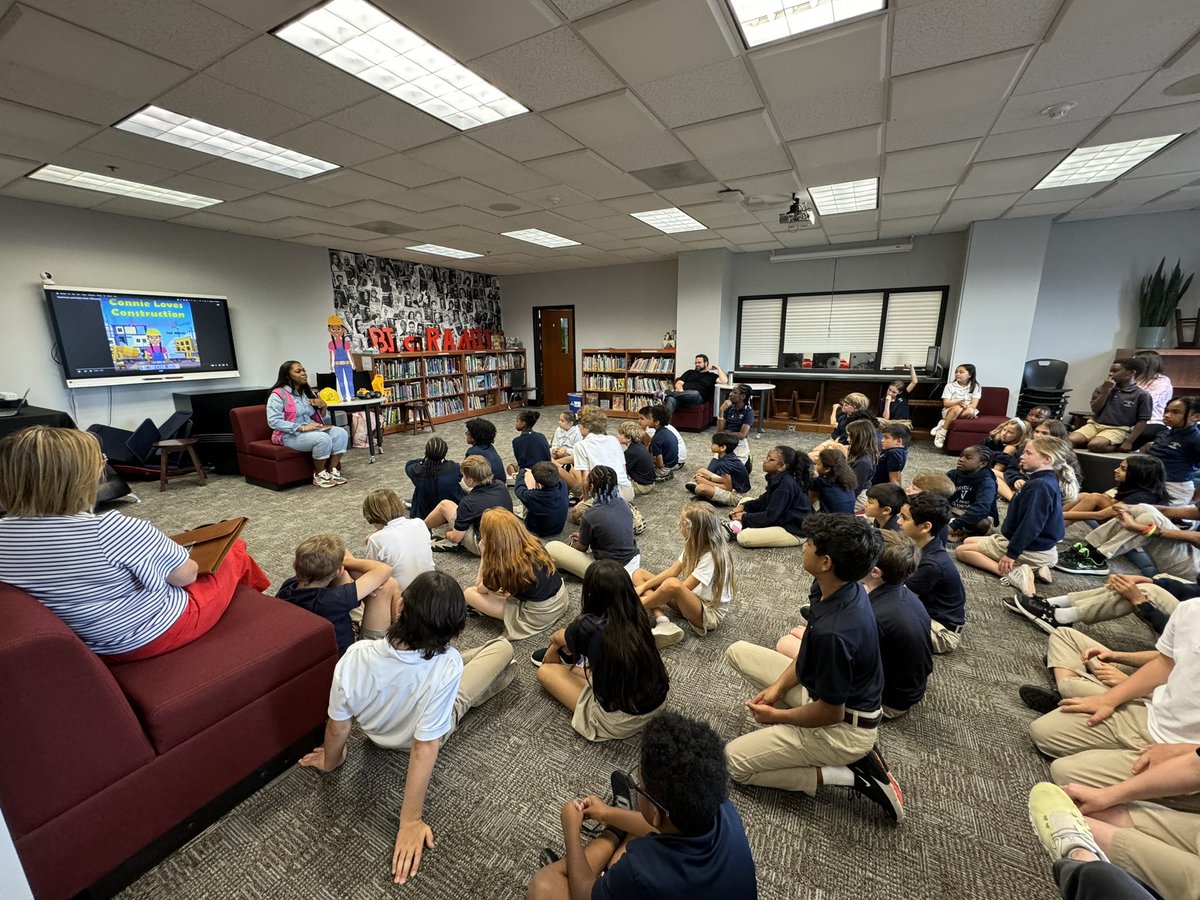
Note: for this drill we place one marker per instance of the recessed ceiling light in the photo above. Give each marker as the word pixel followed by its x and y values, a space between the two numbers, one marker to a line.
pixel 542 238
pixel 849 196
pixel 438 250
pixel 1184 87
pixel 109 185
pixel 669 221
pixel 372 46
pixel 1103 162
pixel 770 20
pixel 164 125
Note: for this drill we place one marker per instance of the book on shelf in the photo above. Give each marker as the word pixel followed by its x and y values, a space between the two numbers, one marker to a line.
pixel 664 365
pixel 604 362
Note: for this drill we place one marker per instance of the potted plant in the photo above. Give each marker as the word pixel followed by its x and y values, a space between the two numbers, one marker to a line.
pixel 1157 299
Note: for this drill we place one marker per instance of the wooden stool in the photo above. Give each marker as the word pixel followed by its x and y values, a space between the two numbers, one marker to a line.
pixel 165 449
pixel 418 416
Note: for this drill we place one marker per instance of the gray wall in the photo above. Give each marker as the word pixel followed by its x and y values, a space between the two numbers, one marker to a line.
pixel 1087 303
pixel 279 295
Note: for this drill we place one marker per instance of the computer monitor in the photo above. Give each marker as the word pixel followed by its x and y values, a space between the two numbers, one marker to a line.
pixel 793 360
pixel 932 364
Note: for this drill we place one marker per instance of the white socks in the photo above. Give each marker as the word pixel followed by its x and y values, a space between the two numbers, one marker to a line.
pixel 837 776
pixel 1067 615
pixel 1059 601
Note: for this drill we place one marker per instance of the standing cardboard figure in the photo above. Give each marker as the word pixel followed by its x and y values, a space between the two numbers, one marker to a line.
pixel 339 357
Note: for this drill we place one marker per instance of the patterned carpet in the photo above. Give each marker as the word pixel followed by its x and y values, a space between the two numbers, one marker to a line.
pixel 963 757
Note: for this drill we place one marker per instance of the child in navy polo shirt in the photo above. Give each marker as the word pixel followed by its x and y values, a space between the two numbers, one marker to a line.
pixel 974 500
pixel 883 505
pixel 737 417
pixel 1178 449
pixel 895 401
pixel 639 465
pixel 936 581
pixel 831 696
pixel 544 495
pixel 481 435
pixel 724 480
pixel 836 485
pixel 483 493
pixel 895 454
pixel 664 448
pixel 528 446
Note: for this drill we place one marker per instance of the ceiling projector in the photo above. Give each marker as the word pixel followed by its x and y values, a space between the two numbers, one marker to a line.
pixel 798 215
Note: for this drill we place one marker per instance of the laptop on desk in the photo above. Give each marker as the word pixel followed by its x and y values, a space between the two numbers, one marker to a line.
pixel 13 410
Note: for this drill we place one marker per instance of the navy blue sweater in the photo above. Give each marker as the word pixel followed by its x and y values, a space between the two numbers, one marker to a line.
pixel 975 494
pixel 545 508
pixel 783 504
pixel 1035 517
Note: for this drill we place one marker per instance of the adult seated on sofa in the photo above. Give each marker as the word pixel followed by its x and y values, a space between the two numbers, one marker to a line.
pixel 294 414
pixel 695 386
pixel 126 589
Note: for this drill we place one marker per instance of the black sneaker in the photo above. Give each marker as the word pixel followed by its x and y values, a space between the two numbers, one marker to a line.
pixel 873 780
pixel 1083 563
pixel 443 545
pixel 538 656
pixel 1035 609
pixel 691 487
pixel 805 610
pixel 573 501
pixel 1039 699
pixel 669 476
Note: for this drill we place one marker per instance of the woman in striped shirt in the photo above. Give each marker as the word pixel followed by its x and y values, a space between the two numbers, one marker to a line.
pixel 125 588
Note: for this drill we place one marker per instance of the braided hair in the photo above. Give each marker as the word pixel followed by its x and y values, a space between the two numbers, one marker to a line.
pixel 602 483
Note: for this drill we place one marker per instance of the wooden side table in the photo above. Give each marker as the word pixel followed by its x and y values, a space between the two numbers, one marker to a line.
pixel 177 445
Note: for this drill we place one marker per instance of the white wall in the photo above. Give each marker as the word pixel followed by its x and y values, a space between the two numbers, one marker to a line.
pixel 615 306
pixel 1087 302
pixel 701 302
pixel 279 295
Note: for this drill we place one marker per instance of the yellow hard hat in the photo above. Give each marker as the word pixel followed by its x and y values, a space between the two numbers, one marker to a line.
pixel 334 320
pixel 153 331
pixel 329 395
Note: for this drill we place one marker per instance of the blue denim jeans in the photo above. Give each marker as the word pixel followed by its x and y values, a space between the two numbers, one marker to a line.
pixel 674 399
pixel 321 444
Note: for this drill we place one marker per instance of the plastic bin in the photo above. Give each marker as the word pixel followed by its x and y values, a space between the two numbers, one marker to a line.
pixel 575 402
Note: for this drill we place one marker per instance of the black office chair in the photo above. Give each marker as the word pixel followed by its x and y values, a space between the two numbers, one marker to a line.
pixel 518 390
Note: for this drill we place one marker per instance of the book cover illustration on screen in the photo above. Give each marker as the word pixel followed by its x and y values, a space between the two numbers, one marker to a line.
pixel 109 337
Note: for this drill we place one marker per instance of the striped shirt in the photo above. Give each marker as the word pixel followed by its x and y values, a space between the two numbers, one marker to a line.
pixel 104 576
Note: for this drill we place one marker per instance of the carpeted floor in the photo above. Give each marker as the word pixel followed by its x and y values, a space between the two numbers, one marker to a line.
pixel 963 757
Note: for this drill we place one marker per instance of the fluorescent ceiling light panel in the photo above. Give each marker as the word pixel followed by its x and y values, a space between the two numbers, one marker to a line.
pixel 1103 162
pixel 541 238
pixel 164 125
pixel 669 221
pixel 438 250
pixel 369 44
pixel 849 196
pixel 763 21
pixel 110 185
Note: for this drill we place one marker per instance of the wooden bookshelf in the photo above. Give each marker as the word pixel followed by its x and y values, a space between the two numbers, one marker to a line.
pixel 620 380
pixel 457 385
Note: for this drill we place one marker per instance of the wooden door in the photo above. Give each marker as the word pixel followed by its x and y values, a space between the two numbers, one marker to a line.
pixel 555 367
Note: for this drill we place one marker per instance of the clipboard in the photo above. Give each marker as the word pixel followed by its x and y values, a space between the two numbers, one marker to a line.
pixel 208 545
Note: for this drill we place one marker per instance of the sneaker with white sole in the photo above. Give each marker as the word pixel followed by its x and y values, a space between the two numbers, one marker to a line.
pixel 1022 578
pixel 443 545
pixel 336 475
pixel 323 481
pixel 939 437
pixel 1035 609
pixel 1084 563
pixel 666 634
pixel 1059 824
pixel 873 780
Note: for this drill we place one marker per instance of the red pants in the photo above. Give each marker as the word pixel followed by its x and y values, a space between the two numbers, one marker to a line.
pixel 208 598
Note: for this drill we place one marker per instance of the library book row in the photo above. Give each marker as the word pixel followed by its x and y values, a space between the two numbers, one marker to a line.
pixel 453 385
pixel 424 365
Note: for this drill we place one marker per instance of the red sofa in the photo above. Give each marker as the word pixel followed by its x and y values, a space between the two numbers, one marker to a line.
pixel 693 418
pixel 260 460
pixel 993 411
pixel 103 761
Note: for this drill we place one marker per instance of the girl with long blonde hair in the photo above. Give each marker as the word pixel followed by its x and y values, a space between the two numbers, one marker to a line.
pixel 518 582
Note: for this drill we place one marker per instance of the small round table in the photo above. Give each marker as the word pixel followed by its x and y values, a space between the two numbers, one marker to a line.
pixel 175 445
pixel 762 388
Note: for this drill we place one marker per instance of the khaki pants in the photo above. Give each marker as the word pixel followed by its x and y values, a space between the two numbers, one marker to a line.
pixel 1065 651
pixel 525 618
pixel 576 514
pixel 945 640
pixel 994 546
pixel 1102 604
pixel 1162 848
pixel 784 756
pixel 722 497
pixel 772 536
pixel 481 667
pixel 1170 557
pixel 596 723
pixel 640 490
pixel 1180 493
pixel 568 559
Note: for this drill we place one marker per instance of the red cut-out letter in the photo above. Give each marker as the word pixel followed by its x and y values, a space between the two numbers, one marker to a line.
pixel 431 339
pixel 412 344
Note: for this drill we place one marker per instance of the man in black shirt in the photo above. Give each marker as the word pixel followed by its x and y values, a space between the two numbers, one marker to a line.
pixel 695 386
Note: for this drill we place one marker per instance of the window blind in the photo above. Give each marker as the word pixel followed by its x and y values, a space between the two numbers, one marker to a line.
pixel 838 323
pixel 761 321
pixel 911 327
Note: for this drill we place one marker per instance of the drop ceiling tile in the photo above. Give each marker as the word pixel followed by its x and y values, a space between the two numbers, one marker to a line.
pixel 1178 200
pixel 604 188
pixel 1094 100
pixel 474 218
pixel 515 177
pixel 36 134
pixel 1082 215
pixel 553 196
pixel 268 208
pixel 911 204
pixel 583 212
pixel 910 170
pixel 524 138
pixel 949 31
pixel 961 213
pixel 853 145
pixel 129 146
pixel 205 187
pixel 610 222
pixel 261 14
pixel 143 209
pixel 775 183
pixel 1179 119
pixel 634 229
pixel 856 106
pixel 819 64
pixel 803 237
pixel 721 214
pixel 1134 191
pixel 46 192
pixel 280 72
pixel 335 145
pixel 241 175
pixel 460 155
pixel 389 121
pixel 1074 192
pixel 693 193
pixel 912 226
pixel 550 70
pixel 1151 94
pixel 178 30
pixel 1006 176
pixel 743 133
pixel 1028 210
pixel 709 92
pixel 1066 136
pixel 224 104
pixel 646 40
pixel 753 162
pixel 211 221
pixel 466 192
pixel 660 243
pixel 610 119
pixel 403 170
pixel 851 223
pixel 574 167
pixel 106 164
pixel 467 29
pixel 645 152
pixel 12 168
pixel 1182 156
pixel 858 237
pixel 55 66
pixel 761 246
pixel 838 173
pixel 354 185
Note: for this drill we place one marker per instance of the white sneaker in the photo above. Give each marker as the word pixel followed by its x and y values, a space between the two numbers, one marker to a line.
pixel 335 476
pixel 666 634
pixel 323 481
pixel 1020 577
pixel 1059 824
pixel 939 437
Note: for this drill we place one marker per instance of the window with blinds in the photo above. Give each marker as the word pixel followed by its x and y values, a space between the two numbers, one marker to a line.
pixel 761 322
pixel 837 323
pixel 911 327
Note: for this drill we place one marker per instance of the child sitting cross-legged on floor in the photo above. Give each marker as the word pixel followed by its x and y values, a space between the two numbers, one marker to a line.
pixel 664 446
pixel 836 486
pixel 399 541
pixel 894 455
pixel 483 493
pixel 332 582
pixel 775 518
pixel 724 480
pixel 974 500
pixel 622 682
pixel 481 439
pixel 409 691
pixel 639 465
pixel 566 436
pixel 605 530
pixel 936 581
pixel 699 585
pixel 884 502
pixel 1140 478
pixel 544 497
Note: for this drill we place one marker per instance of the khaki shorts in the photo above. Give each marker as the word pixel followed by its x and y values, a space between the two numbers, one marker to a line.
pixel 713 616
pixel 525 618
pixel 722 497
pixel 642 489
pixel 1114 434
pixel 470 542
pixel 995 546
pixel 596 723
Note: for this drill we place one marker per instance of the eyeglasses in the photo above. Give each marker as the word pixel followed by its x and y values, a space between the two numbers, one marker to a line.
pixel 642 791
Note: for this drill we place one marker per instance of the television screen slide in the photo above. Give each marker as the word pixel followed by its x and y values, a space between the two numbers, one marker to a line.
pixel 116 337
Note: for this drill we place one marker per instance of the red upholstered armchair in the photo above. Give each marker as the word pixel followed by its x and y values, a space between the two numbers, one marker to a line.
pixel 693 418
pixel 993 410
pixel 261 461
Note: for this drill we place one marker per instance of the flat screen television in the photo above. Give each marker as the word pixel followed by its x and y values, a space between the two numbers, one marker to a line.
pixel 108 337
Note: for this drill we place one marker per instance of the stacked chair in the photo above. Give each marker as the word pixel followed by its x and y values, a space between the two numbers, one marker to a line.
pixel 1042 385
